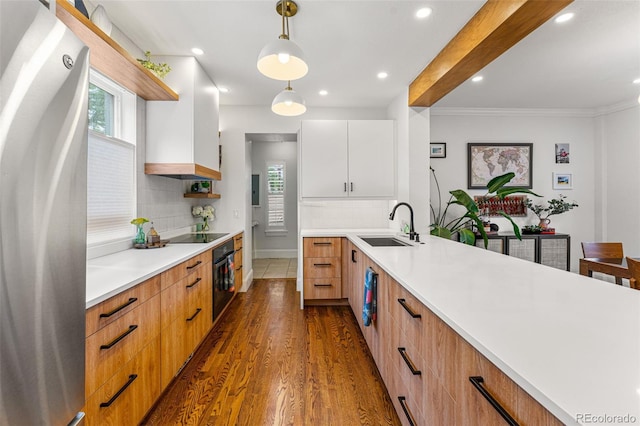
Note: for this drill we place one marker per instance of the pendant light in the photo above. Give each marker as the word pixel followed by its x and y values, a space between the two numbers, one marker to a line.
pixel 288 103
pixel 282 59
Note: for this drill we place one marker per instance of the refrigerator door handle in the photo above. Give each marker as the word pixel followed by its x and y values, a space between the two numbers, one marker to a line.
pixel 77 419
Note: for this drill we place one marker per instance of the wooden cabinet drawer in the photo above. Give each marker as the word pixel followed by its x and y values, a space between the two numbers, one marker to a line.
pixel 126 397
pixel 237 241
pixel 174 299
pixel 111 347
pixel 322 247
pixel 237 258
pixel 115 307
pixel 322 288
pixel 322 267
pixel 203 260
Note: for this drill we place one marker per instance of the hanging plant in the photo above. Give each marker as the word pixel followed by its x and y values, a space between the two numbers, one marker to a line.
pixel 161 70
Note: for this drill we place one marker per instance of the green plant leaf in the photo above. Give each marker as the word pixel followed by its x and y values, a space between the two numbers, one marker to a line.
pixel 516 229
pixel 467 237
pixel 503 192
pixel 499 181
pixel 465 200
pixel 439 231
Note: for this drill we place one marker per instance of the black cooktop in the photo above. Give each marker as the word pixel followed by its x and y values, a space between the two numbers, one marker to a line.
pixel 196 238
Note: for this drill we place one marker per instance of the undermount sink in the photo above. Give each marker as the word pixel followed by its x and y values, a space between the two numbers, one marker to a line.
pixel 384 242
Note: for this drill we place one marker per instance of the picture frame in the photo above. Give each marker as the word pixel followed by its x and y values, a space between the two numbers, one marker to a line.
pixel 562 180
pixel 562 153
pixel 486 160
pixel 438 150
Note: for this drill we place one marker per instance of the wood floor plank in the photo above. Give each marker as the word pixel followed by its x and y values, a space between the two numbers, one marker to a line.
pixel 267 362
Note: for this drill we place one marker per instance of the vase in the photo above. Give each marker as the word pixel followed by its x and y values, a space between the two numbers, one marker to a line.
pixel 101 19
pixel 140 237
pixel 544 223
pixel 205 225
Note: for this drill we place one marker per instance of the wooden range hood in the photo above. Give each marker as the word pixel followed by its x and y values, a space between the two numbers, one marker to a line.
pixel 494 29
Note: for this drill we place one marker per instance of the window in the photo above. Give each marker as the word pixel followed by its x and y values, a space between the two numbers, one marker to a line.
pixel 111 161
pixel 275 195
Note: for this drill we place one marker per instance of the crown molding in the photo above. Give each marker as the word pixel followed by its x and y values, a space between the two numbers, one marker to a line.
pixel 515 112
pixel 610 109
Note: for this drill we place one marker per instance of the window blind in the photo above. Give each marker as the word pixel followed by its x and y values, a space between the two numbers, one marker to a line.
pixel 111 194
pixel 275 194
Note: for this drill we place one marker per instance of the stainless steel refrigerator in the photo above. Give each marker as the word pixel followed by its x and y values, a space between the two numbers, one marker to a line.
pixel 43 160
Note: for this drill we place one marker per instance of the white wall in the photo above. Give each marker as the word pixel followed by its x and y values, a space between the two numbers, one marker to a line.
pixel 280 245
pixel 542 128
pixel 618 195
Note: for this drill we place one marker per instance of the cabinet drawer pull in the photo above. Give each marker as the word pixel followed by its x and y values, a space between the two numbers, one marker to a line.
pixel 321 285
pixel 196 264
pixel 477 382
pixel 192 317
pixel 322 264
pixel 353 256
pixel 119 308
pixel 122 389
pixel 406 307
pixel 120 337
pixel 322 243
pixel 403 404
pixel 239 238
pixel 194 283
pixel 409 362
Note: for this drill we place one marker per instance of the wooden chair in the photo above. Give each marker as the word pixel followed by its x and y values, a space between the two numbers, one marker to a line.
pixel 604 251
pixel 634 268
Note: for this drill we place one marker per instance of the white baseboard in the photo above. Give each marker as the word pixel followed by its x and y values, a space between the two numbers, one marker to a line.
pixel 246 281
pixel 276 253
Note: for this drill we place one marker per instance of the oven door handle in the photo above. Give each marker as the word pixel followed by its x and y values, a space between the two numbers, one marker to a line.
pixel 223 259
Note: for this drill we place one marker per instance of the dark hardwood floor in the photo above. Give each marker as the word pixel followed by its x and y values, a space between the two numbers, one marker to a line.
pixel 267 362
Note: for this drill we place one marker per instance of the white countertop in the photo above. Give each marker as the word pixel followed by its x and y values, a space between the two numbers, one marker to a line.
pixel 114 273
pixel 572 342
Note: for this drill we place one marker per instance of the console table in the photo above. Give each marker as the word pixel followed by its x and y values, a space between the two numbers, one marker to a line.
pixel 546 249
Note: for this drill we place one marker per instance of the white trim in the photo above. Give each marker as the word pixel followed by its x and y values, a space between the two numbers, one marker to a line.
pixel 276 253
pixel 616 108
pixel 247 280
pixel 515 112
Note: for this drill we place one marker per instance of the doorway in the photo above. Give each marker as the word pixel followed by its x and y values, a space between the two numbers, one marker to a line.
pixel 274 206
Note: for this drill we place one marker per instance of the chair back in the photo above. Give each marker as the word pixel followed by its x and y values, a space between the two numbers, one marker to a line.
pixel 603 250
pixel 634 269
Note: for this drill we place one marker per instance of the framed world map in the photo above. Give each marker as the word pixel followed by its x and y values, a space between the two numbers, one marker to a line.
pixel 488 160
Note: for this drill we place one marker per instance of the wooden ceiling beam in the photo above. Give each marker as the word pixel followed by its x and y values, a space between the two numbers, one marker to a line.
pixel 494 29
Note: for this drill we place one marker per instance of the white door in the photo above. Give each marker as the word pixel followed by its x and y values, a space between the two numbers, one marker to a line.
pixel 323 159
pixel 371 158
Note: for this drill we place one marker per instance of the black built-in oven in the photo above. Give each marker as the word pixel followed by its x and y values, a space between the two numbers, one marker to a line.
pixel 223 276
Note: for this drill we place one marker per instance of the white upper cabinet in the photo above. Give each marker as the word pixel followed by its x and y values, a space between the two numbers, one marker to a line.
pixel 354 158
pixel 185 132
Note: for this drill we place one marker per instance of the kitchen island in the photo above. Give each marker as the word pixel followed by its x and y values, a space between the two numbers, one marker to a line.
pixel 571 342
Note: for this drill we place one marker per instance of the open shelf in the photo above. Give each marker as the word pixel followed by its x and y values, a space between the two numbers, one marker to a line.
pixel 111 59
pixel 201 195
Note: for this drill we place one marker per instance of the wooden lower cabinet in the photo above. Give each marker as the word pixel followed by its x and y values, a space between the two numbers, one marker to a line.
pixel 237 260
pixel 322 268
pixel 126 397
pixel 426 365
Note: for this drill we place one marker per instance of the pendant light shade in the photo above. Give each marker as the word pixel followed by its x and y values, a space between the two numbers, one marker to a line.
pixel 282 59
pixel 288 103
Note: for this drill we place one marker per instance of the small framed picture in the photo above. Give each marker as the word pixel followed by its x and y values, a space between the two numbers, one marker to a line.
pixel 562 181
pixel 438 150
pixel 562 153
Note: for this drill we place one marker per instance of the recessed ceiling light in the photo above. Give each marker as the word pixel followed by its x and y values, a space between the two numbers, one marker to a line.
pixel 382 75
pixel 636 81
pixel 564 17
pixel 423 13
pixel 477 78
pixel 223 90
pixel 197 51
pixel 323 93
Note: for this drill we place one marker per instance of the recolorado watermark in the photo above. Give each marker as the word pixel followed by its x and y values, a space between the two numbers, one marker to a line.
pixel 586 418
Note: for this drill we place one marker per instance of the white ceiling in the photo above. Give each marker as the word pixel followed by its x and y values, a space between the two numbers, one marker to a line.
pixel 588 62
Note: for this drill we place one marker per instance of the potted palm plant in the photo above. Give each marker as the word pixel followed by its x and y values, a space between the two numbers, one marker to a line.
pixel 445 227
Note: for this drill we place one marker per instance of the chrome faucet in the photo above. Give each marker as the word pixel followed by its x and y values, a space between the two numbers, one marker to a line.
pixel 412 232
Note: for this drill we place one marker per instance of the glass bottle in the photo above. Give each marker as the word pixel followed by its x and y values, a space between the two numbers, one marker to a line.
pixel 140 237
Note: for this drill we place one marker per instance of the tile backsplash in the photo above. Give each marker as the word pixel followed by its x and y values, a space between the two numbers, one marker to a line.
pixel 344 214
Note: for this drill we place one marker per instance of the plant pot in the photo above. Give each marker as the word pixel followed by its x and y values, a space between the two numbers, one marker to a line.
pixel 544 223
